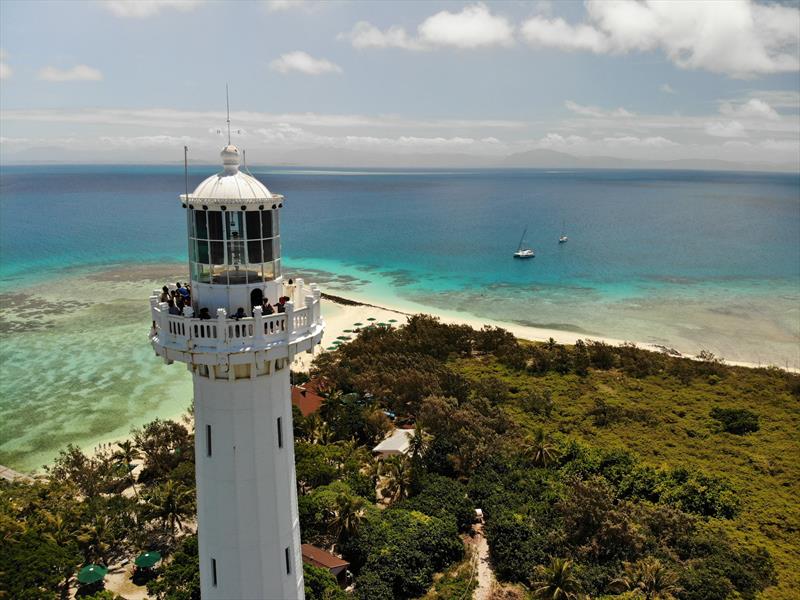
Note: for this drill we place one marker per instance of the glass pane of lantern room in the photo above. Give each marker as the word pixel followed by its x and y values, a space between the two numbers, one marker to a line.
pixel 235 225
pixel 214 225
pixel 267 250
pixel 253 223
pixel 254 254
pixel 202 251
pixel 200 229
pixel 276 230
pixel 266 223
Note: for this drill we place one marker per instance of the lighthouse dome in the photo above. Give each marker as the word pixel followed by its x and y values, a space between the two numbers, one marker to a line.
pixel 231 184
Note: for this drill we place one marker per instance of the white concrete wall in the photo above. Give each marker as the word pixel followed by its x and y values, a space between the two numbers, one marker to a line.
pixel 246 490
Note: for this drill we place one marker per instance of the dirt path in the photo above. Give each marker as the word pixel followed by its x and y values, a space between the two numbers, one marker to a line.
pixel 485 575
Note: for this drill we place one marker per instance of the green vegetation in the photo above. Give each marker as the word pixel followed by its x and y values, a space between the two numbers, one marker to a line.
pixel 601 471
pixel 736 420
pixel 80 515
pixel 603 458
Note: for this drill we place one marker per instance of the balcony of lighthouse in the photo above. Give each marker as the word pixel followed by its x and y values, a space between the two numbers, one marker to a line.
pixel 225 340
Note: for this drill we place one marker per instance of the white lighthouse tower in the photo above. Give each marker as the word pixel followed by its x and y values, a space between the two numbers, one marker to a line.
pixel 248 526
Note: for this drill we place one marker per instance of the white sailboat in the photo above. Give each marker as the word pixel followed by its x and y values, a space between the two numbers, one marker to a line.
pixel 563 239
pixel 522 250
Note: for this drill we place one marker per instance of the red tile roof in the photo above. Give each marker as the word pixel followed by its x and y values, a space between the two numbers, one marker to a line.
pixel 322 558
pixel 306 400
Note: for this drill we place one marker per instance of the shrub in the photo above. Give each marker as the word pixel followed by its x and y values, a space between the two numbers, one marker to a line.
pixel 738 421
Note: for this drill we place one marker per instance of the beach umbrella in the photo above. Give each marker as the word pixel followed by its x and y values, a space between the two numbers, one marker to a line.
pixel 347 330
pixel 331 348
pixel 92 574
pixel 344 337
pixel 148 559
pixel 384 324
pixel 392 320
pixel 372 319
pixel 358 324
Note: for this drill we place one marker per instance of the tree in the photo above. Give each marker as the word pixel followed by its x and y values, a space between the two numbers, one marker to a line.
pixel 649 578
pixel 180 578
pixel 128 452
pixel 348 513
pixel 164 445
pixel 171 504
pixel 540 449
pixel 556 581
pixel 321 584
pixel 396 473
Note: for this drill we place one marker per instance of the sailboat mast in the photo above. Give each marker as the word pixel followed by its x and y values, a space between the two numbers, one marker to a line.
pixel 522 239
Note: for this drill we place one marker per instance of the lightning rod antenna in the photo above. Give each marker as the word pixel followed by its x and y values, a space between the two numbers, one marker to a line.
pixel 228 106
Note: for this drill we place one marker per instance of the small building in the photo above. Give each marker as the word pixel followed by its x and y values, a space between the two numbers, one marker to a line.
pixel 398 443
pixel 306 399
pixel 323 559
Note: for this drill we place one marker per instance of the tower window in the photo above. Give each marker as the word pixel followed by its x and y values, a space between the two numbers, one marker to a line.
pixel 280 433
pixel 214 572
pixel 208 440
pixel 288 561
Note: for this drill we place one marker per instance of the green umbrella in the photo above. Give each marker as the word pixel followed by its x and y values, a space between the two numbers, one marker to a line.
pixel 358 324
pixel 92 574
pixel 148 559
pixel 331 348
pixel 384 324
pixel 372 319
pixel 347 330
pixel 335 343
pixel 344 337
pixel 392 320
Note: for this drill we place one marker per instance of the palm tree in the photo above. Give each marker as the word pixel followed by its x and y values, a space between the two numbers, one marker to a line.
pixel 93 539
pixel 171 503
pixel 420 443
pixel 127 453
pixel 649 578
pixel 556 582
pixel 347 516
pixel 540 449
pixel 396 473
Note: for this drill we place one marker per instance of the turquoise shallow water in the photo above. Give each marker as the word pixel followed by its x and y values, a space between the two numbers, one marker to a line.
pixel 688 259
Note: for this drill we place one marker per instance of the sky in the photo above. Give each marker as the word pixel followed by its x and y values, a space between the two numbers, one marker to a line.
pixel 120 81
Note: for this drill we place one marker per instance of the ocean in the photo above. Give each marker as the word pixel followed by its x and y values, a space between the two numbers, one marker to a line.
pixel 690 260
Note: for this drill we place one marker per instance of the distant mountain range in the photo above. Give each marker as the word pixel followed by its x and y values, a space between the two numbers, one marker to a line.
pixel 346 158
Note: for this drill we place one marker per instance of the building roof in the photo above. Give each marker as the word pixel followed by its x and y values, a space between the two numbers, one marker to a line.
pixel 232 185
pixel 322 558
pixel 306 400
pixel 398 442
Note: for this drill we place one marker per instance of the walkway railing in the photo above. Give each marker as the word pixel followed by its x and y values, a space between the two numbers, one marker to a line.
pixel 187 332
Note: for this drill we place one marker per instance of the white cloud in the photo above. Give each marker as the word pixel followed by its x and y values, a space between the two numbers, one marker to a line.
pixel 779 98
pixel 306 6
pixel 556 140
pixel 474 27
pixel 729 129
pixel 76 73
pixel 5 70
pixel 148 141
pixel 557 33
pixel 366 35
pixel 667 88
pixel 638 142
pixel 303 62
pixel 739 38
pixel 142 9
pixel 753 108
pixel 594 111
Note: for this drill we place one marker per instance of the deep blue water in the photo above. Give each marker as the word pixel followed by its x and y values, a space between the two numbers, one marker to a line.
pixel 437 229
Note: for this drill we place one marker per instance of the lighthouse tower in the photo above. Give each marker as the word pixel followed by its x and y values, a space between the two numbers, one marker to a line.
pixel 248 527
